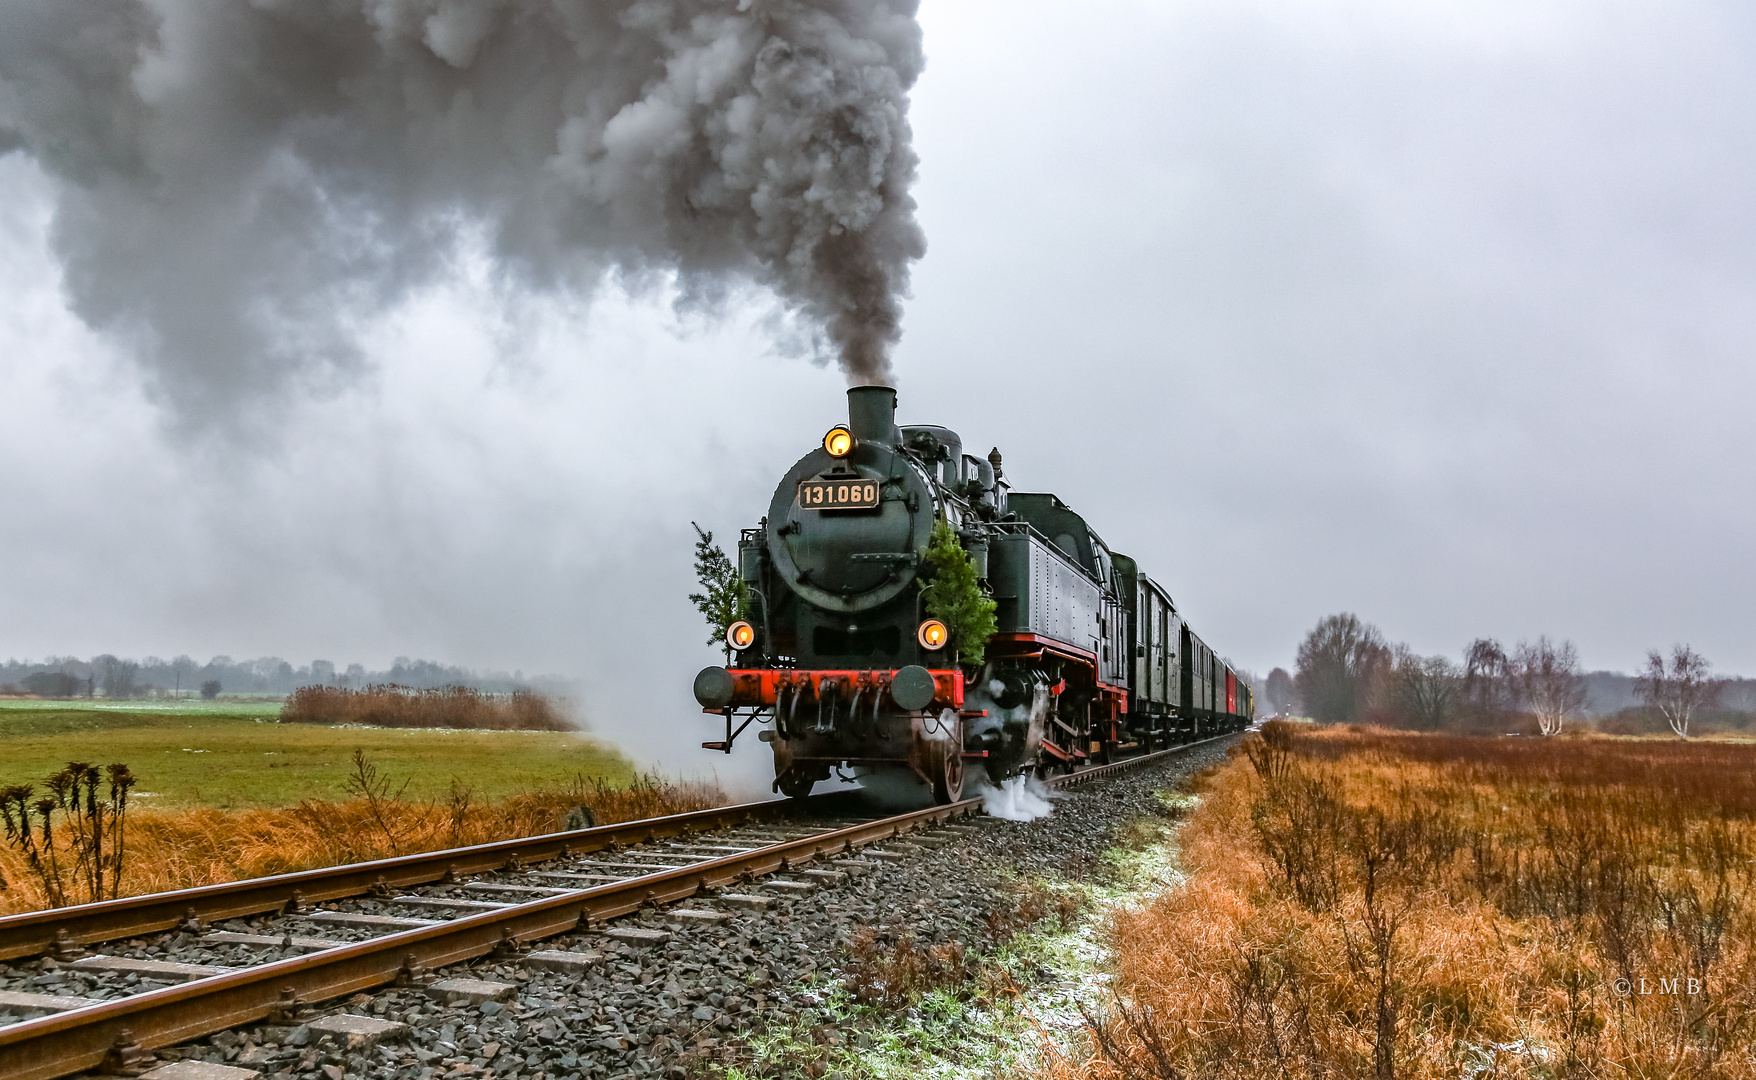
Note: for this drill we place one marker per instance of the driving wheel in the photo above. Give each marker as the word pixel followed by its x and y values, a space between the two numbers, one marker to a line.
pixel 796 783
pixel 948 773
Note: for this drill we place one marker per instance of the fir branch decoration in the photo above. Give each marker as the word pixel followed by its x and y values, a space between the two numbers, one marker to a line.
pixel 723 599
pixel 954 595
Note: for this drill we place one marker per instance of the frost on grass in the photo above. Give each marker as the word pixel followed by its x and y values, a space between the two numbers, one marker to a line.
pixel 897 1007
pixel 1144 862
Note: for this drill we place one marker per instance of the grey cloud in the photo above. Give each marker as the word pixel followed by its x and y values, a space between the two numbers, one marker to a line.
pixel 243 186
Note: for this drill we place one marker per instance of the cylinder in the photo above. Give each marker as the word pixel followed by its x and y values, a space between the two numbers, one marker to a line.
pixel 872 414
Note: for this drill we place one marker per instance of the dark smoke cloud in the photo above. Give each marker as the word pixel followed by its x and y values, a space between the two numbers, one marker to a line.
pixel 242 185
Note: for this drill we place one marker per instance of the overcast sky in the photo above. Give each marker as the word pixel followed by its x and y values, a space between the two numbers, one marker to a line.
pixel 1438 313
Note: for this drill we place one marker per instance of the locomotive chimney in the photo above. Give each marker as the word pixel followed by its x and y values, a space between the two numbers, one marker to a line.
pixel 872 414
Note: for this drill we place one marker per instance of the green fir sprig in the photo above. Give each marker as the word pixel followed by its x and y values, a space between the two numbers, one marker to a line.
pixel 953 594
pixel 723 599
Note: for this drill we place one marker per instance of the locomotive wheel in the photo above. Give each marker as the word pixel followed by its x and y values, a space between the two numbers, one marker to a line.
pixel 795 784
pixel 948 775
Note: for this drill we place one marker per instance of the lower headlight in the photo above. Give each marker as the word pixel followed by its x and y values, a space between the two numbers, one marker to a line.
pixel 932 634
pixel 740 635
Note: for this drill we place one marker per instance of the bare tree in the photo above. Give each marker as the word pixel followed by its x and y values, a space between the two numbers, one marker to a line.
pixel 1486 690
pixel 1547 679
pixel 1677 689
pixel 1423 690
pixel 1339 664
pixel 1280 692
pixel 118 675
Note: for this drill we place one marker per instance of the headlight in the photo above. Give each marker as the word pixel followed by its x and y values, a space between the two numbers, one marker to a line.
pixel 932 634
pixel 740 635
pixel 839 442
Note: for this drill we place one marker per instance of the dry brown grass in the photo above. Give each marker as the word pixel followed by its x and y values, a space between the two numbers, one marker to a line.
pixel 1369 903
pixel 177 849
pixel 394 706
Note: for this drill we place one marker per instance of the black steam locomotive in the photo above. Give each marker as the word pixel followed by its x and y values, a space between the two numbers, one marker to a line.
pixel 839 654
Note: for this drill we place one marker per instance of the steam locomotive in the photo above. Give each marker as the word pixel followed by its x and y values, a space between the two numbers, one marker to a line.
pixel 842 666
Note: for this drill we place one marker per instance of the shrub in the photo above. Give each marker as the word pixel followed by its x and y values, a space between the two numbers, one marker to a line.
pixel 52 684
pixel 403 707
pixel 894 969
pixel 1367 903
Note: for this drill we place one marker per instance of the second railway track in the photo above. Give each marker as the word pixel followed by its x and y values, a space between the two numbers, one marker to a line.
pixel 409 917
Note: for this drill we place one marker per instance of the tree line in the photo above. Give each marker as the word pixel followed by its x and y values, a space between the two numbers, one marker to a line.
pixel 117 678
pixel 1347 672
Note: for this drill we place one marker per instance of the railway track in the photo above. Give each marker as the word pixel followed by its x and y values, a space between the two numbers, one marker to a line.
pixel 319 935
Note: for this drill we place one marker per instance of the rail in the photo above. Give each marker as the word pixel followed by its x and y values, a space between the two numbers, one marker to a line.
pixel 41 932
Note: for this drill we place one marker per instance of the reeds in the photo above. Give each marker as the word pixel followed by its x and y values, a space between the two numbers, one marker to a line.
pixel 389 705
pixel 1375 904
pixel 176 849
pixel 70 838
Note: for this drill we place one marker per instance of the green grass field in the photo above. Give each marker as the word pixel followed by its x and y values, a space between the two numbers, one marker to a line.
pixel 229 706
pixel 233 754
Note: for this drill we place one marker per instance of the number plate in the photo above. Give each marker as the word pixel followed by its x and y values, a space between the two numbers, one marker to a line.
pixel 838 494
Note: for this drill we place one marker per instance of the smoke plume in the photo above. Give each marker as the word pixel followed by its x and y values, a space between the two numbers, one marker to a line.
pixel 242 183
